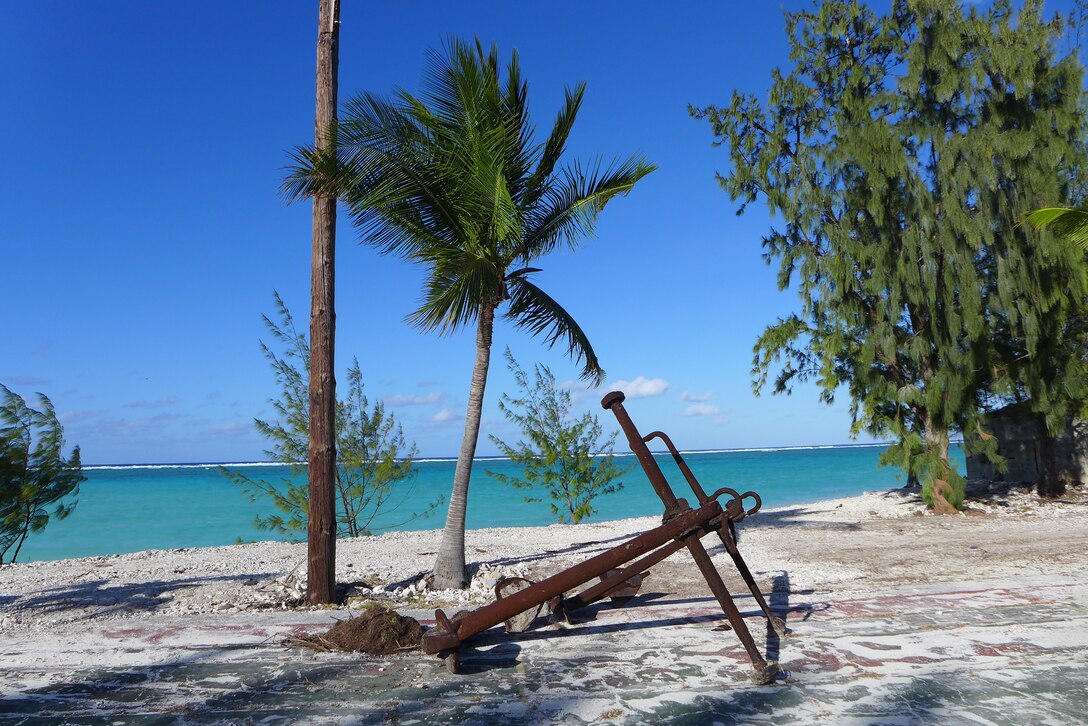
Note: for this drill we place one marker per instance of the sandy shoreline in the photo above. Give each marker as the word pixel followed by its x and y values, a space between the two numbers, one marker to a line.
pixel 847 545
pixel 1011 568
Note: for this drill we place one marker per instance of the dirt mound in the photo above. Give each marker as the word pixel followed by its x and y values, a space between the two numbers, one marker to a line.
pixel 377 631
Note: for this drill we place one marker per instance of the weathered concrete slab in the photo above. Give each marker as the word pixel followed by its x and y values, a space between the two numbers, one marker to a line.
pixel 991 652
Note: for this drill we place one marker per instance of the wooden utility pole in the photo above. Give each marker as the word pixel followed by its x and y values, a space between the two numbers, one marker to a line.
pixel 321 552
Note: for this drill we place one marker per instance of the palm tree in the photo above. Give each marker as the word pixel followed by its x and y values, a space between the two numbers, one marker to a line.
pixel 1068 224
pixel 453 179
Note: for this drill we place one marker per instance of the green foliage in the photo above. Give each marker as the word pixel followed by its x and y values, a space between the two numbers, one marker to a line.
pixel 34 474
pixel 900 152
pixel 454 180
pixel 561 456
pixel 372 453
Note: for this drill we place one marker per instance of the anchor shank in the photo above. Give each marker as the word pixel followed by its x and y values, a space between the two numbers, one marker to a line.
pixel 614 403
pixel 495 613
pixel 601 589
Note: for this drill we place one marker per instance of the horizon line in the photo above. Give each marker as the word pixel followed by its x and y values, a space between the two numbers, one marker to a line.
pixel 434 459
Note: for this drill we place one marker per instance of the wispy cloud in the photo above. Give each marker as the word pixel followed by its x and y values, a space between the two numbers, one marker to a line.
pixel 96 426
pixel 232 430
pixel 411 399
pixel 641 387
pixel 27 381
pixel 426 384
pixel 695 398
pixel 702 409
pixel 167 401
pixel 75 417
pixel 443 415
pixel 579 390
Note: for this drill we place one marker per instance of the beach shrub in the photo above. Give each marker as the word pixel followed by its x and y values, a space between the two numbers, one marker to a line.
pixel 35 476
pixel 561 456
pixel 900 152
pixel 374 460
pixel 457 180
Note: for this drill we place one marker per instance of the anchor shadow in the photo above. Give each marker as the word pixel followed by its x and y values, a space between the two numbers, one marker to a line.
pixel 495 648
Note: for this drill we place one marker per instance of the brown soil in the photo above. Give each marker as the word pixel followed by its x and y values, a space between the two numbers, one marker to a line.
pixel 377 631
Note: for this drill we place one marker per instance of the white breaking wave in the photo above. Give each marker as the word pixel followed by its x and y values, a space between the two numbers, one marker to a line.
pixel 451 459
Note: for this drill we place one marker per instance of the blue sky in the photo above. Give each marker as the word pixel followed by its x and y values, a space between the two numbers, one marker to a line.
pixel 143 232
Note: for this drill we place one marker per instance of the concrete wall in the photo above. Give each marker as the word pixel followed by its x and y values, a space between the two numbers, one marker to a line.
pixel 1018 436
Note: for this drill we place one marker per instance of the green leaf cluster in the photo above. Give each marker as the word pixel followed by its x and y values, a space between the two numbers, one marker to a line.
pixel 454 179
pixel 900 153
pixel 373 457
pixel 35 476
pixel 563 457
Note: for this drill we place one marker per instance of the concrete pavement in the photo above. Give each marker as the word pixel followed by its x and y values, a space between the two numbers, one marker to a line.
pixel 987 652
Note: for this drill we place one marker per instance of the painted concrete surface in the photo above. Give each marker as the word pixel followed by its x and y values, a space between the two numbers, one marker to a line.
pixel 983 653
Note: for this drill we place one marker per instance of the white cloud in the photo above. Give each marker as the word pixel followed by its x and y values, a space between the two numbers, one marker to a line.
pixel 443 415
pixel 410 399
pixel 641 387
pixel 702 409
pixel 686 396
pixel 579 390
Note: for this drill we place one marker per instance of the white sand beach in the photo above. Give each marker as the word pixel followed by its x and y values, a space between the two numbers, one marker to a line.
pixel 846 545
pixel 56 616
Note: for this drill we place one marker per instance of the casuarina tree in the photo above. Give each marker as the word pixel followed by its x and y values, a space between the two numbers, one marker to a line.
pixel 899 153
pixel 559 455
pixel 373 458
pixel 37 482
pixel 456 180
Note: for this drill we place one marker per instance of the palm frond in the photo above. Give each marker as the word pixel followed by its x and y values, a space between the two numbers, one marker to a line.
pixel 557 142
pixel 534 310
pixel 572 205
pixel 1070 225
pixel 400 193
pixel 460 283
pixel 519 131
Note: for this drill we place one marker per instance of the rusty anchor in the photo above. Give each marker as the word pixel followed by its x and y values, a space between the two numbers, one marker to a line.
pixel 519 601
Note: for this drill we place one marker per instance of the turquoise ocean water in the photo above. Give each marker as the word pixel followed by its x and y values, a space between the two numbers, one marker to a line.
pixel 133 508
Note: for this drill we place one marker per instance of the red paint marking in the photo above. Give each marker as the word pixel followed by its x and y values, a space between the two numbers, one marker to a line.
pixel 126 633
pixel 148 634
pixel 916 659
pixel 928 602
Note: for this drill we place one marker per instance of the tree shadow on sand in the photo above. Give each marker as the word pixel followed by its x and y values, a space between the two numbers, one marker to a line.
pixel 107 597
pixel 271 684
pixel 583 621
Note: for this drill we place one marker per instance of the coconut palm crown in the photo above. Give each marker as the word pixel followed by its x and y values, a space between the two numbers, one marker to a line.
pixel 454 179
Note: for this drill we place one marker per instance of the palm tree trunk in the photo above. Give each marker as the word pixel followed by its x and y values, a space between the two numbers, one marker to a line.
pixel 449 566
